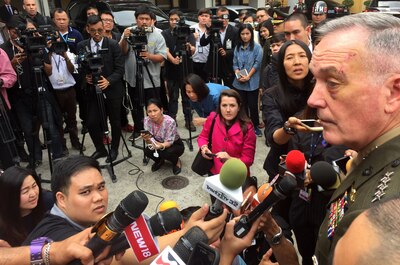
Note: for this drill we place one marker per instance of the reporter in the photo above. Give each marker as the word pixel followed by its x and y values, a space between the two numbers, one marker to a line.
pixel 233 133
pixel 203 97
pixel 164 142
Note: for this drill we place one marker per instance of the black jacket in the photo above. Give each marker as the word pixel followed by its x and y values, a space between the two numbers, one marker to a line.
pixel 113 69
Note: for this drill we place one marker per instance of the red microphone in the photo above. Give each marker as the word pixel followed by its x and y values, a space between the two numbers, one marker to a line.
pixel 296 165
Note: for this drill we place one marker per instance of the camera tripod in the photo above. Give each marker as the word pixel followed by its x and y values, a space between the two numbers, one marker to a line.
pixel 140 65
pixel 104 126
pixel 215 43
pixel 7 136
pixel 186 69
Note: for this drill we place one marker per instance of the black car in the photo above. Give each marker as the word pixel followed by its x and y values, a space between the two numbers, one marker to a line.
pixel 123 11
pixel 334 9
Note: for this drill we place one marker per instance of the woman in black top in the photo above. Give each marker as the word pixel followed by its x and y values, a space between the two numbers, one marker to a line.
pixel 23 204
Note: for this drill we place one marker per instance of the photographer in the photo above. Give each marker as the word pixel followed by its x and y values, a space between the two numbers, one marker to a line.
pixel 28 104
pixel 63 84
pixel 109 81
pixel 149 45
pixel 201 52
pixel 177 39
pixel 223 40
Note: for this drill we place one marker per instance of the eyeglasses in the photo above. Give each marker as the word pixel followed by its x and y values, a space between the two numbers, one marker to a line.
pixel 108 20
pixel 96 30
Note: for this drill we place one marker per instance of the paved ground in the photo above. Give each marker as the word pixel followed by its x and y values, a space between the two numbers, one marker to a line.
pixel 132 174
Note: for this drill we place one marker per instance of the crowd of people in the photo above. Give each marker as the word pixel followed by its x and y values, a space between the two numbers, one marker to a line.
pixel 339 74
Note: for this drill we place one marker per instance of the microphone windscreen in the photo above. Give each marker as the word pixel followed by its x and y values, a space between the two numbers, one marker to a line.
pixel 295 161
pixel 164 222
pixel 233 173
pixel 263 192
pixel 322 173
pixel 128 210
pixel 188 241
pixel 168 205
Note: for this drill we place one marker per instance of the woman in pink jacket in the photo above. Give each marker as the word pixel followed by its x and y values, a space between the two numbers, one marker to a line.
pixel 233 134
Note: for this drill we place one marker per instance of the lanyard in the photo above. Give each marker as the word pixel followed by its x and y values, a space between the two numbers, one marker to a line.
pixel 57 64
pixel 64 38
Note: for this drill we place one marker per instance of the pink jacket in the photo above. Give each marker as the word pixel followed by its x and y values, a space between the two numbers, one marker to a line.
pixel 8 75
pixel 233 142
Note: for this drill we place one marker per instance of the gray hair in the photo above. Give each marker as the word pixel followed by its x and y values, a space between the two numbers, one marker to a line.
pixel 382 46
pixel 385 221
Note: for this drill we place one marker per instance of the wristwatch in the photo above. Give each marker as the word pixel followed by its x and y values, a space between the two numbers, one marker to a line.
pixel 36 250
pixel 289 130
pixel 276 239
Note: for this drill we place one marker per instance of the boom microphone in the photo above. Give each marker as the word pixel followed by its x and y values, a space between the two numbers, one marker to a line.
pixel 226 187
pixel 276 193
pixel 323 174
pixel 111 225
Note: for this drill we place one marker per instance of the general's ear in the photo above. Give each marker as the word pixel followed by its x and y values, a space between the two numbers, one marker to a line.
pixel 393 98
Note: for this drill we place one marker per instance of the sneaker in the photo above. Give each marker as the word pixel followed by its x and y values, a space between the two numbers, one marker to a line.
pixel 127 128
pixel 258 132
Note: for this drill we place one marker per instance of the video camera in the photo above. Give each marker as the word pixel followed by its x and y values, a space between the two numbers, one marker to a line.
pixel 138 39
pixel 34 42
pixel 182 30
pixel 216 24
pixel 91 62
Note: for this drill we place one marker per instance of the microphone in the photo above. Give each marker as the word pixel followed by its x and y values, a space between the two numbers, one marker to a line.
pixel 274 194
pixel 182 250
pixel 160 224
pixel 323 174
pixel 226 187
pixel 111 225
pixel 167 205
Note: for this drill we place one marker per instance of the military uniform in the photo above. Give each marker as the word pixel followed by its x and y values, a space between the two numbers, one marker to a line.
pixel 374 175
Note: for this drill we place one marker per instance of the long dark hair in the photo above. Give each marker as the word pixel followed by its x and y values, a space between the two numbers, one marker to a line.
pixel 11 221
pixel 268 25
pixel 199 86
pixel 241 43
pixel 242 115
pixel 292 99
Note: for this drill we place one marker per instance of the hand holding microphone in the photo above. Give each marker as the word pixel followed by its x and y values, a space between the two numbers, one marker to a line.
pixel 226 187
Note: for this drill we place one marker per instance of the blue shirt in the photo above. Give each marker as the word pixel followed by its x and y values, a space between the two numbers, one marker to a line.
pixel 72 38
pixel 209 103
pixel 247 59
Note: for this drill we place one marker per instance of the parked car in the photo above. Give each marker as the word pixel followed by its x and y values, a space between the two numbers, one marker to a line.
pixel 123 11
pixel 234 11
pixel 388 7
pixel 334 9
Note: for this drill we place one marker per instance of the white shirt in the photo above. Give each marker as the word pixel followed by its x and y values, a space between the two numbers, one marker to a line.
pixel 60 77
pixel 93 47
pixel 201 53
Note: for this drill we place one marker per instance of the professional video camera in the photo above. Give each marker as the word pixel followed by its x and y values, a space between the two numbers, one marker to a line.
pixel 91 62
pixel 182 30
pixel 34 42
pixel 216 24
pixel 138 39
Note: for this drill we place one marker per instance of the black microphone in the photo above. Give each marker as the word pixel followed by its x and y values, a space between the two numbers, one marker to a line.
pixel 160 224
pixel 323 174
pixel 279 192
pixel 111 225
pixel 187 242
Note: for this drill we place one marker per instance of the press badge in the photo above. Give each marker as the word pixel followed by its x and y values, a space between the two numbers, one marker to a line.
pixel 60 80
pixel 200 49
pixel 228 44
pixel 304 195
